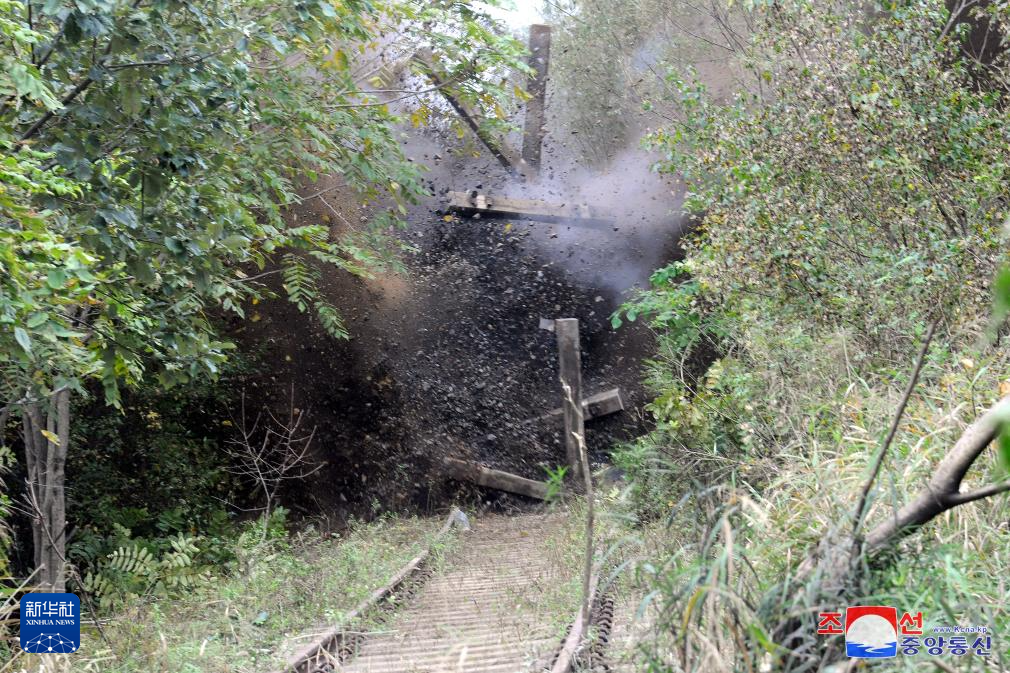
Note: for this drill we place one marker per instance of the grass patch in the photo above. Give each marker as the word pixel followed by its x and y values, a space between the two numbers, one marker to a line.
pixel 251 621
pixel 564 547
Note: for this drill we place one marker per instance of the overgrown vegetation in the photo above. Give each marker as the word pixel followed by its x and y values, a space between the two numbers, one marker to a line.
pixel 252 614
pixel 831 353
pixel 151 154
pixel 853 196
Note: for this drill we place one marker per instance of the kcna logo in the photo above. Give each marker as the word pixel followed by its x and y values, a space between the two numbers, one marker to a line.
pixel 876 632
pixel 50 623
pixel 871 631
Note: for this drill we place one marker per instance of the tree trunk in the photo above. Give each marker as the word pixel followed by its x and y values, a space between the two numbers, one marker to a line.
pixel 46 443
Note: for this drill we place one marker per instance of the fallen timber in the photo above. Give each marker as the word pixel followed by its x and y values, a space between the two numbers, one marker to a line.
pixel 475 203
pixel 462 470
pixel 595 406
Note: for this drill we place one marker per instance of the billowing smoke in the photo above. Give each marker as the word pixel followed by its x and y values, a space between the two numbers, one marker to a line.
pixel 617 256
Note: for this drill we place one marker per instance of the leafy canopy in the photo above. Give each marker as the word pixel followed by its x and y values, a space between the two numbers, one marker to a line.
pixel 152 146
pixel 863 180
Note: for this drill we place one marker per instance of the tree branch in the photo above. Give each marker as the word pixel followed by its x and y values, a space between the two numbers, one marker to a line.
pixel 909 387
pixel 69 98
pixel 943 490
pixel 978 494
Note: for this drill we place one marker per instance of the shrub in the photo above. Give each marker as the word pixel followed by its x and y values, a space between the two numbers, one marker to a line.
pixel 855 195
pixel 864 186
pixel 157 468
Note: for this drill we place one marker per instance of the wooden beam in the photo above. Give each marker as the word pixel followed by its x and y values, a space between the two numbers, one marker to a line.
pixel 533 124
pixel 474 202
pixel 498 148
pixel 601 404
pixel 570 367
pixel 462 470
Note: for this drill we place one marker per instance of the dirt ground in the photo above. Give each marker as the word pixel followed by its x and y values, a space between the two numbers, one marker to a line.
pixel 448 358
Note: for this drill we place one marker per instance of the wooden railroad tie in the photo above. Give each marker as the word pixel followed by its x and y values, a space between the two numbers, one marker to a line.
pixel 462 470
pixel 476 203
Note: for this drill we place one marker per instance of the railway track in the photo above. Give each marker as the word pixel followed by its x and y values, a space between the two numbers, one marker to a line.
pixel 492 607
pixel 484 612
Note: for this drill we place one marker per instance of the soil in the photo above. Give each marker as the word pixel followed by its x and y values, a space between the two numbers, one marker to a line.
pixel 448 358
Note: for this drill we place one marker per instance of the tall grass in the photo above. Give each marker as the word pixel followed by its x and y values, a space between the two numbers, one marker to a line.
pixel 739 534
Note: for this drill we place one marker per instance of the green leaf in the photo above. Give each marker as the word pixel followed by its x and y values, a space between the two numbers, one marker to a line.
pixel 121 216
pixel 1003 448
pixel 27 83
pixel 1001 294
pixel 21 336
pixel 154 184
pixel 279 45
pixel 130 98
pixel 56 278
pixel 36 319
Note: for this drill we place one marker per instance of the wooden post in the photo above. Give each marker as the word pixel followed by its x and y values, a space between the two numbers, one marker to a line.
pixel 570 360
pixel 570 355
pixel 533 125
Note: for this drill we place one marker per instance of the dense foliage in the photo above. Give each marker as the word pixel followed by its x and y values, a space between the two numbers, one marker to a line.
pixel 855 193
pixel 150 153
pixel 157 471
pixel 152 147
pixel 875 154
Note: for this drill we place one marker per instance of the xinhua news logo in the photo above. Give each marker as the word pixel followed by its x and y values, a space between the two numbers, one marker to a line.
pixel 876 632
pixel 50 623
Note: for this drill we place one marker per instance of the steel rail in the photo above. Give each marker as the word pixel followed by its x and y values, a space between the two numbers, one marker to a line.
pixel 336 645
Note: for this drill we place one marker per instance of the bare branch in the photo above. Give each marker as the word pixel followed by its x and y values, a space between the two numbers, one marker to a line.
pixel 273 455
pixel 909 387
pixel 943 490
